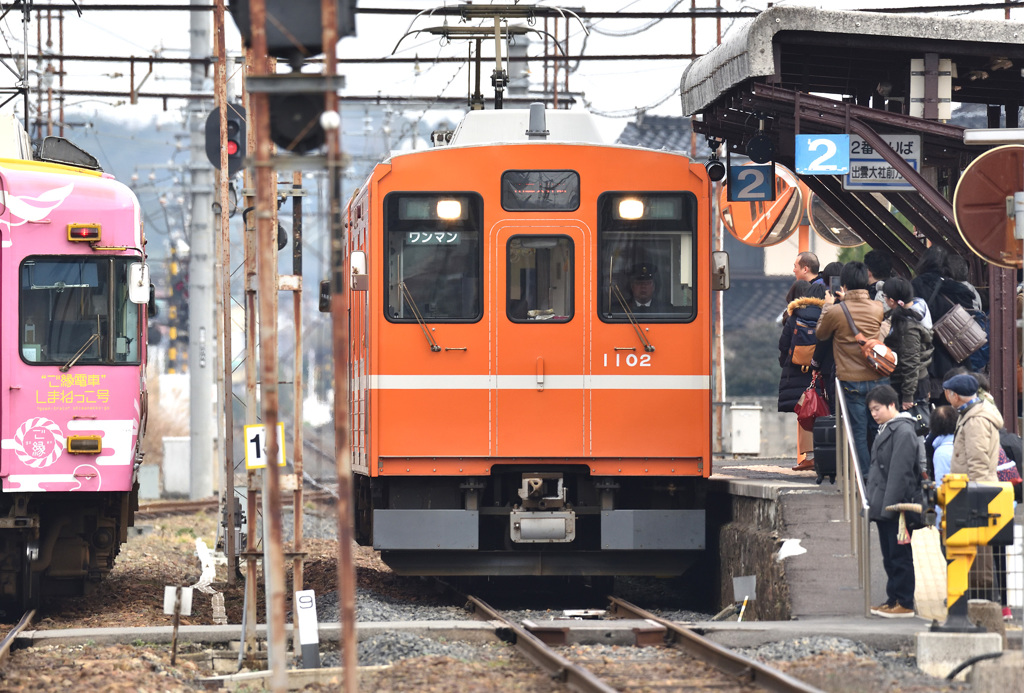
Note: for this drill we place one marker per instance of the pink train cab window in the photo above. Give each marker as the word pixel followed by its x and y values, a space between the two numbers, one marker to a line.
pixel 75 309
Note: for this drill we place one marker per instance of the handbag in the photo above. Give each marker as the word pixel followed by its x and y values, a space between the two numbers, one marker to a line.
pixel 882 358
pixel 921 413
pixel 811 405
pixel 929 574
pixel 1006 469
pixel 959 333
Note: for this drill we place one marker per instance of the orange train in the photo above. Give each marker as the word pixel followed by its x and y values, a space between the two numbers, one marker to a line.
pixel 530 352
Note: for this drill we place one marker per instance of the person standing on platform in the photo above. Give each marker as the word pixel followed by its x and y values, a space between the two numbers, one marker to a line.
pixel 856 376
pixel 801 319
pixel 806 267
pixel 895 477
pixel 976 454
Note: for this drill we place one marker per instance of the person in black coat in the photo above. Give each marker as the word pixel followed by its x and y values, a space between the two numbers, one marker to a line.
pixel 896 459
pixel 940 294
pixel 806 301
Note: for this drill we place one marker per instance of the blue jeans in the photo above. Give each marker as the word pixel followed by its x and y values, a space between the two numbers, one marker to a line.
pixel 861 423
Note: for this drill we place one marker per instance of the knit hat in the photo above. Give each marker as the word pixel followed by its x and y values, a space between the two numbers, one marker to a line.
pixel 963 385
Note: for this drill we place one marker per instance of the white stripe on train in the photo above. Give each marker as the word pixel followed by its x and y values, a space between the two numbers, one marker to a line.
pixel 529 382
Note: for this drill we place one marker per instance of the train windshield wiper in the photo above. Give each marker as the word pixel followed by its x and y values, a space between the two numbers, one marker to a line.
pixel 78 354
pixel 419 317
pixel 632 318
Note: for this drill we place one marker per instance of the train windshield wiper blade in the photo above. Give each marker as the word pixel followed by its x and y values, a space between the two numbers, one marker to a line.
pixel 632 318
pixel 419 317
pixel 78 354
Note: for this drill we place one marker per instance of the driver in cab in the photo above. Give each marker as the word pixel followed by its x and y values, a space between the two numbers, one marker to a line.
pixel 642 286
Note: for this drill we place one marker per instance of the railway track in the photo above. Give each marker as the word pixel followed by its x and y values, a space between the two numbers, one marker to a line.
pixel 716 667
pixel 5 645
pixel 177 507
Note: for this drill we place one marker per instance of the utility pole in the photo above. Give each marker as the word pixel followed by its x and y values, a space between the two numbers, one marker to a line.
pixel 202 364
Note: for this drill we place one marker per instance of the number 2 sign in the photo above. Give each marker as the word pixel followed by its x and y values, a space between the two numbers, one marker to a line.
pixel 751 183
pixel 823 154
pixel 256 446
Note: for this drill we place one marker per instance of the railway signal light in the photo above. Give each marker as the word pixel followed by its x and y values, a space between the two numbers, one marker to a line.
pixel 294 27
pixel 235 143
pixel 715 167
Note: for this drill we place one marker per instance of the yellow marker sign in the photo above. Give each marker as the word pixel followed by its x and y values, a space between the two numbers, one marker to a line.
pixel 256 446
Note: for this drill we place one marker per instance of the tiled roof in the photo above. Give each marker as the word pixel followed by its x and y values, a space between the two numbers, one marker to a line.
pixel 670 133
pixel 752 299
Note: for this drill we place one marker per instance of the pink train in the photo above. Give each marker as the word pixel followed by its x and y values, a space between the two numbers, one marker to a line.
pixel 74 289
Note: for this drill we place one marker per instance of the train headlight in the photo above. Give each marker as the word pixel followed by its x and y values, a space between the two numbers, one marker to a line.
pixel 449 209
pixel 631 208
pixel 89 233
pixel 85 445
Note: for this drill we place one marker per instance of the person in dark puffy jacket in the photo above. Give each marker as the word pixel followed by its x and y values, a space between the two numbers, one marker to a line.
pixel 911 341
pixel 895 477
pixel 805 307
pixel 940 294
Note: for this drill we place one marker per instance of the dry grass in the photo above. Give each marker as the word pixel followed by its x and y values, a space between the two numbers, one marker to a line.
pixel 166 419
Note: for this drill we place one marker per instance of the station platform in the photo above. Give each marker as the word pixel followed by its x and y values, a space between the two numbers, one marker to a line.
pixel 791 534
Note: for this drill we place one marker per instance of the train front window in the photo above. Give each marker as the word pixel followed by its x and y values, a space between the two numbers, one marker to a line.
pixel 77 306
pixel 432 241
pixel 646 262
pixel 539 279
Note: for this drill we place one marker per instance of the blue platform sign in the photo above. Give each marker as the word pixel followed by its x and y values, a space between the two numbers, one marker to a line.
pixel 827 155
pixel 751 183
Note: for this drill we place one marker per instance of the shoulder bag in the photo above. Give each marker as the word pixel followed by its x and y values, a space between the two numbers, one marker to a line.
pixel 882 358
pixel 959 333
pixel 957 330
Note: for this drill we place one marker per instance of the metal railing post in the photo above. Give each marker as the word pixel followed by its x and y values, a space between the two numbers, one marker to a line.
pixel 855 507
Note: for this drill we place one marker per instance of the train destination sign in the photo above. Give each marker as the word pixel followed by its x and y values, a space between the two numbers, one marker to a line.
pixel 869 171
pixel 433 238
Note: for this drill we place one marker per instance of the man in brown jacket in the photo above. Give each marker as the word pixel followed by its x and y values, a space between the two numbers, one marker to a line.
pixel 856 376
pixel 976 453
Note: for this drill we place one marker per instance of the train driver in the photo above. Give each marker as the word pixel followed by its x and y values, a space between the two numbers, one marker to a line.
pixel 642 287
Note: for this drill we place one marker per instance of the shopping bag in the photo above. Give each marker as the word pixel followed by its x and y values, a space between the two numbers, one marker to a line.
pixel 929 574
pixel 811 405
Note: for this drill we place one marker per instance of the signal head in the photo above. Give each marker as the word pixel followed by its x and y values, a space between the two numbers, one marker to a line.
pixel 715 168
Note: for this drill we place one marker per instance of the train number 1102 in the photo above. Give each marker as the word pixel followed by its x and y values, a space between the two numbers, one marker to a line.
pixel 628 360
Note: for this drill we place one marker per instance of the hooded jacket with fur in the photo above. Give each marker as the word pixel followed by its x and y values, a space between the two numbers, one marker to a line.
pixel 795 379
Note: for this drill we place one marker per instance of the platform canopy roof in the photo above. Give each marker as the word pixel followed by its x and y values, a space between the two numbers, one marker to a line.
pixel 801 69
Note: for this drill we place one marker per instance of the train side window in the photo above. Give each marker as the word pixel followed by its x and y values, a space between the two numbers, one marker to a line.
pixel 646 262
pixel 433 248
pixel 539 279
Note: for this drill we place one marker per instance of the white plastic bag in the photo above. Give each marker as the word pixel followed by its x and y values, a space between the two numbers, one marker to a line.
pixel 929 574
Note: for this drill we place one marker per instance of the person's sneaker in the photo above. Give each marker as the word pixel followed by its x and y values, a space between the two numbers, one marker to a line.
pixel 1007 614
pixel 880 609
pixel 896 611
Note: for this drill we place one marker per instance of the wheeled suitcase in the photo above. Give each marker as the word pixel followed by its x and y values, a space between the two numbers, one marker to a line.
pixel 825 448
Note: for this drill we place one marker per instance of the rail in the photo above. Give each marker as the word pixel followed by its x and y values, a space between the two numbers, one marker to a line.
pixel 5 644
pixel 731 663
pixel 855 506
pixel 533 648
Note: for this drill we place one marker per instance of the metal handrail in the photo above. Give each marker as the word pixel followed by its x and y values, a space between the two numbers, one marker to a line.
pixel 855 506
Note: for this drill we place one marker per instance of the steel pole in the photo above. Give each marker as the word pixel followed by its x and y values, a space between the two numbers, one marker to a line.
pixel 339 319
pixel 227 399
pixel 201 325
pixel 266 242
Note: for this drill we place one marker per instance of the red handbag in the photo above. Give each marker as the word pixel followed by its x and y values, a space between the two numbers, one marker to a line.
pixel 811 405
